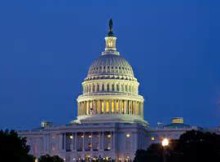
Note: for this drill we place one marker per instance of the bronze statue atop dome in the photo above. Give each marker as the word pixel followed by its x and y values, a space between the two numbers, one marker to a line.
pixel 110 33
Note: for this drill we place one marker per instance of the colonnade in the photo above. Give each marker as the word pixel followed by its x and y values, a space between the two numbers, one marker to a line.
pixel 110 87
pixel 88 141
pixel 111 69
pixel 113 106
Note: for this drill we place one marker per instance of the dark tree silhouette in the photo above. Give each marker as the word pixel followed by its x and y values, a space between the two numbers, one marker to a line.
pixel 196 146
pixel 192 146
pixel 48 158
pixel 13 148
pixel 140 156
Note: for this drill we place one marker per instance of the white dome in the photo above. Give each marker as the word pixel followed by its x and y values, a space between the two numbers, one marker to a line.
pixel 110 90
pixel 110 66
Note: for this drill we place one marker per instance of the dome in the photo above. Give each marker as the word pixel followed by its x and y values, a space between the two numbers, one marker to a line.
pixel 110 66
pixel 110 91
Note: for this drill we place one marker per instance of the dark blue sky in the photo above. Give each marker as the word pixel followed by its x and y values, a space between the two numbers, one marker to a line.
pixel 47 46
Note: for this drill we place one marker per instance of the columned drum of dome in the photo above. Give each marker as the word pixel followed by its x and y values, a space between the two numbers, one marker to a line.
pixel 110 89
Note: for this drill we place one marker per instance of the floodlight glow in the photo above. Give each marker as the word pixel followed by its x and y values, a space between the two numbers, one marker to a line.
pixel 165 142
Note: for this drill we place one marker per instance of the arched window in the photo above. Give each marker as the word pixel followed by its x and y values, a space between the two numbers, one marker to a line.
pixel 117 87
pixel 85 89
pixel 126 88
pixel 108 87
pixel 113 87
pixel 97 87
pixel 93 88
pixel 103 87
pixel 89 88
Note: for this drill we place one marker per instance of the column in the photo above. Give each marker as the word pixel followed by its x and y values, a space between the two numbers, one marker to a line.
pixel 106 106
pixel 100 141
pixel 98 107
pixel 78 108
pixel 133 107
pixel 119 106
pixel 141 109
pixel 104 101
pixel 110 106
pixel 90 106
pixel 75 135
pixel 122 106
pixel 138 108
pixel 94 107
pixel 84 107
pixel 103 140
pixel 125 106
pixel 113 106
pixel 81 108
pixel 64 140
pixel 95 87
pixel 102 106
pixel 83 149
pixel 112 140
pixel 61 141
pixel 91 141
pixel 87 107
pixel 128 107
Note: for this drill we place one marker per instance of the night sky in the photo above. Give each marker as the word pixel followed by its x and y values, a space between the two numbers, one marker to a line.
pixel 47 46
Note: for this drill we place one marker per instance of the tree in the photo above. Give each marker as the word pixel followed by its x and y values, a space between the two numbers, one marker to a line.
pixel 13 148
pixel 48 158
pixel 192 146
pixel 153 154
pixel 140 156
pixel 199 146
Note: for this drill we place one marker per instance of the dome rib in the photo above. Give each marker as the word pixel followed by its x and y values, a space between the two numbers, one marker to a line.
pixel 110 66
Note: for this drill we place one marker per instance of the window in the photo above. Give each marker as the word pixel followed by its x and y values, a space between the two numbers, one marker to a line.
pixel 113 87
pixel 122 87
pixel 97 87
pixel 107 87
pixel 93 88
pixel 117 87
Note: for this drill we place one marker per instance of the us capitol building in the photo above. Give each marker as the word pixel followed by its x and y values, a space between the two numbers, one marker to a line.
pixel 110 123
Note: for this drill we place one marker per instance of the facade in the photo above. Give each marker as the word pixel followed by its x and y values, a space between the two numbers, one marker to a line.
pixel 170 131
pixel 110 123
